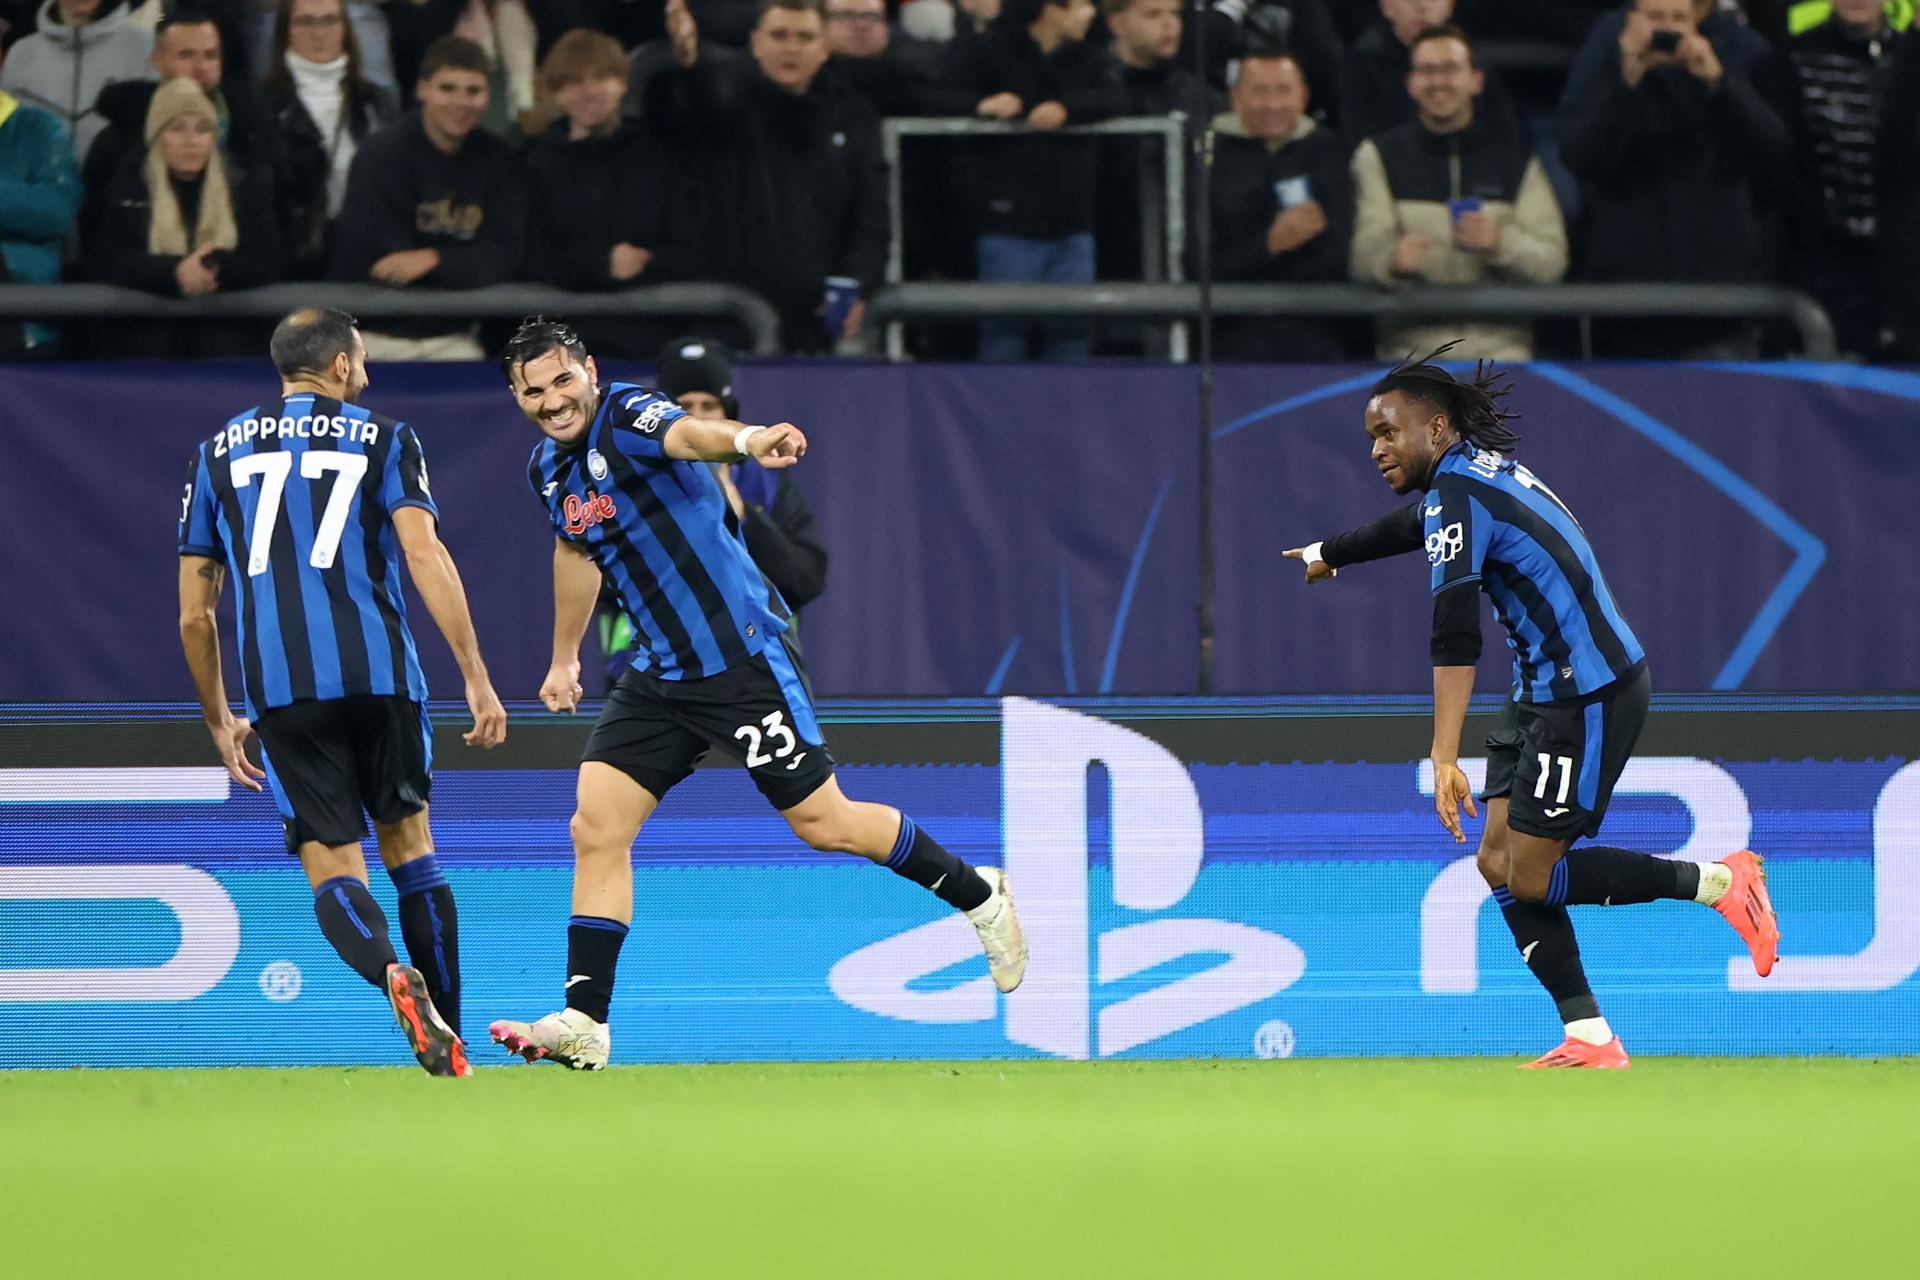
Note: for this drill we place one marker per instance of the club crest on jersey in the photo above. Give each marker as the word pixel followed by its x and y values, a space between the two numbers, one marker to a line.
pixel 583 513
pixel 596 464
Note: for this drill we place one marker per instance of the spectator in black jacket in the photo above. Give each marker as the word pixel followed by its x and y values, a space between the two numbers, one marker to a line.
pixel 433 201
pixel 1303 28
pixel 900 76
pixel 773 514
pixel 1897 164
pixel 601 192
pixel 1828 86
pixel 1153 82
pixel 1374 76
pixel 187 42
pixel 1282 207
pixel 788 181
pixel 182 221
pixel 318 108
pixel 1036 193
pixel 1669 148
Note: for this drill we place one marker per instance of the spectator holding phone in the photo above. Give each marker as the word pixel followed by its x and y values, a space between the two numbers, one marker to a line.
pixel 1670 140
pixel 1450 198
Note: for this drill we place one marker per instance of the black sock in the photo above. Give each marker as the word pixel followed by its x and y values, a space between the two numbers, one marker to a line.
pixel 355 925
pixel 593 952
pixel 919 857
pixel 1596 876
pixel 1546 941
pixel 431 928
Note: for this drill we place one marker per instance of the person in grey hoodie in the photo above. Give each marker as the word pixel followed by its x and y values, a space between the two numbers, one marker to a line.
pixel 80 47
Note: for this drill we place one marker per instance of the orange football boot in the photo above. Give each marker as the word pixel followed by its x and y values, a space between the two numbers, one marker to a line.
pixel 1749 910
pixel 1611 1056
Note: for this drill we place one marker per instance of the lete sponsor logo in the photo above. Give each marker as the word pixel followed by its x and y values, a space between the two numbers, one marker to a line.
pixel 1157 854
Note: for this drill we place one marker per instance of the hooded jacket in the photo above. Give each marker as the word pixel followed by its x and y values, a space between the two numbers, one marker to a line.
pixel 1404 182
pixel 63 69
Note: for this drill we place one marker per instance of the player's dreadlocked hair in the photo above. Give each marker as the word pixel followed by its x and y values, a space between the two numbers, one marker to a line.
pixel 1472 407
pixel 536 336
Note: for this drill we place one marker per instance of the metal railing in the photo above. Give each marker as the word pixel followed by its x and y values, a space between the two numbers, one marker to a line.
pixel 961 301
pixel 1163 222
pixel 371 303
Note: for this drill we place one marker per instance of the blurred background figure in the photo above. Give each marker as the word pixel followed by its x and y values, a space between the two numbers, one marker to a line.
pixel 39 198
pixel 1282 208
pixel 182 220
pixel 319 106
pixel 78 48
pixel 601 193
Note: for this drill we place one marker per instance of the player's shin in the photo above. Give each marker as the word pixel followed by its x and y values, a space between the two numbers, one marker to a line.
pixel 1595 875
pixel 431 928
pixel 356 926
pixel 921 859
pixel 1547 944
pixel 593 953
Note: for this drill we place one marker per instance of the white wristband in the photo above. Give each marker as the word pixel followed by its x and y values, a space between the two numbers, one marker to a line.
pixel 1312 553
pixel 741 437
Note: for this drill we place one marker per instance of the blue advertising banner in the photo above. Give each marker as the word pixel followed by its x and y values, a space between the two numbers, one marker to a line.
pixel 1035 530
pixel 1235 878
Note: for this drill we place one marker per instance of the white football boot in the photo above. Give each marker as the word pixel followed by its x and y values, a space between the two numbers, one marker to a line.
pixel 568 1037
pixel 998 925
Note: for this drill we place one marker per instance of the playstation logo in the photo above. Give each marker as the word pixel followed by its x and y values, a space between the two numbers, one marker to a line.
pixel 1157 846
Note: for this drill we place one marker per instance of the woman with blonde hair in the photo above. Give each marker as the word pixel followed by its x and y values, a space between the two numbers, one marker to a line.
pixel 182 220
pixel 319 106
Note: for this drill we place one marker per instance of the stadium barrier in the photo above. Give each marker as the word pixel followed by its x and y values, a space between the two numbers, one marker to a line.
pixel 959 300
pixel 1198 878
pixel 1162 171
pixel 366 302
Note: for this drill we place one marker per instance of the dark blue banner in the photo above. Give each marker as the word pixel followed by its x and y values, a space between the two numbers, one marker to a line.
pixel 1036 530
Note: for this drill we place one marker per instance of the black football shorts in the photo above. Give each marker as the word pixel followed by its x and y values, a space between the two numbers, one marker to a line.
pixel 1557 762
pixel 333 762
pixel 758 713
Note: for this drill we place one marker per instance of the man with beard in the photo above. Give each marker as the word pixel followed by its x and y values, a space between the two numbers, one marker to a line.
pixel 625 476
pixel 304 501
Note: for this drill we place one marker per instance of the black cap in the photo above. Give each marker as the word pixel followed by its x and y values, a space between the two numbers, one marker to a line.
pixel 697 364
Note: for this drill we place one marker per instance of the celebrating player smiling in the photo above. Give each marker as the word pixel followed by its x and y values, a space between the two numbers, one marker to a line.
pixel 624 476
pixel 1580 686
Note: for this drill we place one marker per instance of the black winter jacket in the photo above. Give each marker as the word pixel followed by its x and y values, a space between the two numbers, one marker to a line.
pixel 1035 185
pixel 302 160
pixel 787 189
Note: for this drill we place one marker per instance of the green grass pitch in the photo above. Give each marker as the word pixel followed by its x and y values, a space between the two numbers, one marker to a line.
pixel 1686 1168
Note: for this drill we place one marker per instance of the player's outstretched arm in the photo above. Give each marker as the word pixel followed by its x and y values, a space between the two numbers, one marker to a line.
pixel 201 579
pixel 437 579
pixel 576 587
pixel 723 440
pixel 1393 534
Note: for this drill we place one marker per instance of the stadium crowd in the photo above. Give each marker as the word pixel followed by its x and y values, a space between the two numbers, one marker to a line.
pixel 601 144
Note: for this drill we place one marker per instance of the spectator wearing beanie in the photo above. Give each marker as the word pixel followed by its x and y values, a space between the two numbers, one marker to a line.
pixel 183 221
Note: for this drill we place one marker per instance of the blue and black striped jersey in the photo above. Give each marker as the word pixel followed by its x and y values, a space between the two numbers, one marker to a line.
pixel 659 531
pixel 1489 520
pixel 296 500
